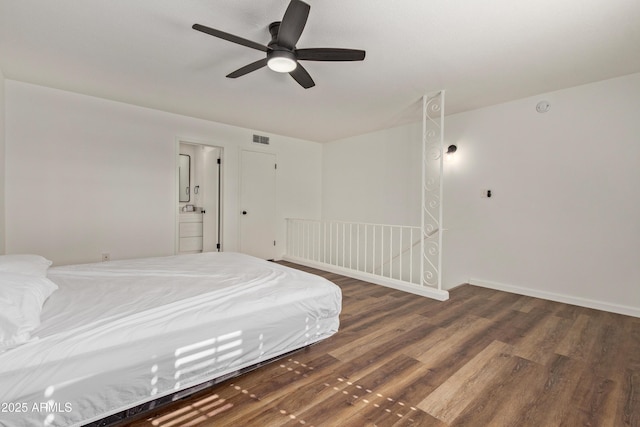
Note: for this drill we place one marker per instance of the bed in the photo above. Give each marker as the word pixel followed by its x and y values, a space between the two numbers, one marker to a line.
pixel 121 334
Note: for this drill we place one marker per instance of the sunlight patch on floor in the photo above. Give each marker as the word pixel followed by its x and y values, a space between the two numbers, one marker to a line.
pixel 194 414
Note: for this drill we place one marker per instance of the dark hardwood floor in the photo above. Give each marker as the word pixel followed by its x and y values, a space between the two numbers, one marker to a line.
pixel 482 358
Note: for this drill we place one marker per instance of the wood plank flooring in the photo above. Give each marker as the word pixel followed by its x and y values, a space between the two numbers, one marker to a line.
pixel 482 358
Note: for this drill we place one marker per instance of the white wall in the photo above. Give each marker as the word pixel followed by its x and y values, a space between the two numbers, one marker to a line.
pixel 2 163
pixel 374 178
pixel 87 175
pixel 563 222
pixel 564 219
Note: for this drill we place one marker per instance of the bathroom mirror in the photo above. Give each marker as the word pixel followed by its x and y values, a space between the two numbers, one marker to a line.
pixel 184 174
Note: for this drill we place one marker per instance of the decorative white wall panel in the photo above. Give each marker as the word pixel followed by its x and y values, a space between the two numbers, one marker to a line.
pixel 432 170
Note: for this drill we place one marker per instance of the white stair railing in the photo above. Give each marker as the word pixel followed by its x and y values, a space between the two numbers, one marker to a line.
pixel 389 253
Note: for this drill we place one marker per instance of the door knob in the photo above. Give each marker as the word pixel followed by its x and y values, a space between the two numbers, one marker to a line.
pixel 244 212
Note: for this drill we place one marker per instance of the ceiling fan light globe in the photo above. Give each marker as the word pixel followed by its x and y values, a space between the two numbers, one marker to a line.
pixel 282 64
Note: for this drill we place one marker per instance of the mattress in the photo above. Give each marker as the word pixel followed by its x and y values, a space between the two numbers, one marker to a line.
pixel 121 333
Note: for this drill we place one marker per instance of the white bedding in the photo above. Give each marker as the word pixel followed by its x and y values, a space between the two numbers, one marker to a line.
pixel 121 333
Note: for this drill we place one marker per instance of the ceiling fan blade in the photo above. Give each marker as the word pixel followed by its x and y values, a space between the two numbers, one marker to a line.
pixel 302 77
pixel 248 68
pixel 292 24
pixel 329 54
pixel 230 37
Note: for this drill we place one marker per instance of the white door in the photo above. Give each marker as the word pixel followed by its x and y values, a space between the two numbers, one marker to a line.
pixel 211 199
pixel 258 204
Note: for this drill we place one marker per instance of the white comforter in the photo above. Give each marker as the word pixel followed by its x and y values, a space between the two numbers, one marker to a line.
pixel 117 334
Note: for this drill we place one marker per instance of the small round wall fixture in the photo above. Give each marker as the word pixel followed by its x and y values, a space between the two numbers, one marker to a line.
pixel 543 106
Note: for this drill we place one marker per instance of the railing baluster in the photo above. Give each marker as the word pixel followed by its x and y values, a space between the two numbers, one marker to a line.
pixel 382 250
pixel 350 246
pixel 316 251
pixel 373 246
pixel 304 238
pixel 330 243
pixel 324 243
pixel 358 246
pixel 411 256
pixel 298 234
pixel 344 258
pixel 391 257
pixel 309 244
pixel 337 244
pixel 401 253
pixel 366 247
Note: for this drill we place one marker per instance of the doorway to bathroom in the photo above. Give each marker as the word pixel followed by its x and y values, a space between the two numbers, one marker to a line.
pixel 199 175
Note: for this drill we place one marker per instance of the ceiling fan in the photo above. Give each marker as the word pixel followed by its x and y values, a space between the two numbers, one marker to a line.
pixel 282 55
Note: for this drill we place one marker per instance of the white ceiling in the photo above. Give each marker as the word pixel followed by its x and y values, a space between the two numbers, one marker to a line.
pixel 144 52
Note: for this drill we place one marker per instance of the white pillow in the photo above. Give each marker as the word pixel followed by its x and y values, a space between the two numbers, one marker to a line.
pixel 25 264
pixel 21 299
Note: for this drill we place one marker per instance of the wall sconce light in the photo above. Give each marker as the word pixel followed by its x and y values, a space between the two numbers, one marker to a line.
pixel 450 151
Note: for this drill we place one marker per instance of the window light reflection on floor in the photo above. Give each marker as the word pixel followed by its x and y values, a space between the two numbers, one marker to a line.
pixel 215 406
pixel 195 413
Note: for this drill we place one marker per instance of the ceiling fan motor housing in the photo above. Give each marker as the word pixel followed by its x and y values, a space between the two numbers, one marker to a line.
pixel 274 27
pixel 279 58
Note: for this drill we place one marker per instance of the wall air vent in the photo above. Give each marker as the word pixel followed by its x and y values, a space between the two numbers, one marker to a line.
pixel 259 139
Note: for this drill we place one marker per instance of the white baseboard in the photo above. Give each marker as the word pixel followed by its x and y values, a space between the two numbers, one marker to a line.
pixel 567 299
pixel 436 294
